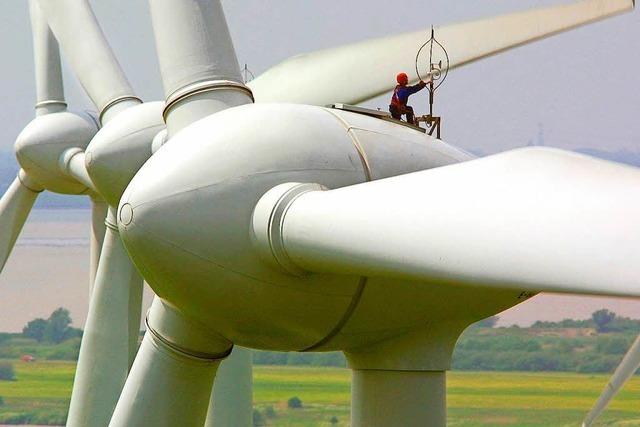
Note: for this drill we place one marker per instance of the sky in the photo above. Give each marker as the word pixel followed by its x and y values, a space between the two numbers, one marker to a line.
pixel 578 88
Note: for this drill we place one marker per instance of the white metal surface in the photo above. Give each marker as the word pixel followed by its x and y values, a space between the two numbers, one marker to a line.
pixel 538 219
pixel 104 360
pixel 435 227
pixel 96 238
pixel 165 389
pixel 121 147
pixel 172 377
pixel 354 73
pixel 394 398
pixel 231 403
pixel 72 162
pixel 42 143
pixel 15 206
pixel 197 60
pixel 85 47
pixel 49 86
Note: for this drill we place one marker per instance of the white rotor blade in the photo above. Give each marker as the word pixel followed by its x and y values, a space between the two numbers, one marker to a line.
pixel 15 206
pixel 105 351
pixel 534 219
pixel 85 46
pixel 629 365
pixel 49 86
pixel 361 71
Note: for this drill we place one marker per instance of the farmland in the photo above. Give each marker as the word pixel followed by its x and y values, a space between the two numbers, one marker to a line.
pixel 42 390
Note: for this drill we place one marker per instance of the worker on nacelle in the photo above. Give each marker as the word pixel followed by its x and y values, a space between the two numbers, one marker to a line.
pixel 401 94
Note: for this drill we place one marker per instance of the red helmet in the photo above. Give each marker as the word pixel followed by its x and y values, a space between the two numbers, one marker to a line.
pixel 402 78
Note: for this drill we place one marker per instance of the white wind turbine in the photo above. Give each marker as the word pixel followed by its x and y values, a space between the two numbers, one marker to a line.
pixel 209 84
pixel 106 165
pixel 44 142
pixel 51 152
pixel 239 253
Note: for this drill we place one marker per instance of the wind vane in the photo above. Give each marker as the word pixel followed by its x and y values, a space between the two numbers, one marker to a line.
pixel 437 70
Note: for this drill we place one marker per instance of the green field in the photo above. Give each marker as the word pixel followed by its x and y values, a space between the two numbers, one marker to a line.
pixel 41 394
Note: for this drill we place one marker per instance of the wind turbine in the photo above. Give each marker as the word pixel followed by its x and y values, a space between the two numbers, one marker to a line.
pixel 122 155
pixel 105 166
pixel 296 227
pixel 44 142
pixel 51 152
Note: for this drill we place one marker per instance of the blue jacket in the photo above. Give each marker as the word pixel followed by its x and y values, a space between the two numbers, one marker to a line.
pixel 401 93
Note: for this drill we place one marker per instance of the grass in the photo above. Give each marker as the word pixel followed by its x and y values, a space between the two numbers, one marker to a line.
pixel 475 399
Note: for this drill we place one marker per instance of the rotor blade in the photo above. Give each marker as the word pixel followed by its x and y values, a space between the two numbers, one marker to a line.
pixel 629 365
pixel 535 219
pixel 49 86
pixel 98 230
pixel 85 46
pixel 197 61
pixel 15 206
pixel 105 351
pixel 357 72
pixel 231 399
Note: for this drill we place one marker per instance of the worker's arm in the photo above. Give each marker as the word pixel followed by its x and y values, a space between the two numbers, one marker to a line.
pixel 416 88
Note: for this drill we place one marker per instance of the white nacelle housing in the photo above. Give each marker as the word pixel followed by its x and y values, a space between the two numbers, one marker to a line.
pixel 186 221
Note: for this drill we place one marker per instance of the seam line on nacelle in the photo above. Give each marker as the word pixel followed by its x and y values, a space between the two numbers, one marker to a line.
pixel 356 144
pixel 355 301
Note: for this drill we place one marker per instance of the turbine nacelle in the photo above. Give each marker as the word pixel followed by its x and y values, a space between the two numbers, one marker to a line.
pixel 121 147
pixel 42 144
pixel 186 220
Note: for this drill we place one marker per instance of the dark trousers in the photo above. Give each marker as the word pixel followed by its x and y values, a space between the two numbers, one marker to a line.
pixel 397 112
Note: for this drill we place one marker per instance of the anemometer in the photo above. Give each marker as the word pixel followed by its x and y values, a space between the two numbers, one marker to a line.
pixel 247 75
pixel 438 70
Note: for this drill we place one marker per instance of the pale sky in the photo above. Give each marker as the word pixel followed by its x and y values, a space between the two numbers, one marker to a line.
pixel 582 86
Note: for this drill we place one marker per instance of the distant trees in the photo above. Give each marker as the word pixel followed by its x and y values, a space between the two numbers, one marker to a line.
pixel 35 329
pixel 294 403
pixel 489 322
pixel 6 372
pixel 602 318
pixel 258 419
pixel 612 345
pixel 55 329
pixel 566 323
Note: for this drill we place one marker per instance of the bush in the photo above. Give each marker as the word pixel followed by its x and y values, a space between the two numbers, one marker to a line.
pixel 17 418
pixel 35 329
pixel 258 419
pixel 598 363
pixel 6 372
pixel 602 318
pixel 294 403
pixel 1 401
pixel 68 350
pixel 612 345
pixel 269 412
pixel 333 420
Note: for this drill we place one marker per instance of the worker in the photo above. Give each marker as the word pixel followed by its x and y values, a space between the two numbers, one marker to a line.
pixel 401 94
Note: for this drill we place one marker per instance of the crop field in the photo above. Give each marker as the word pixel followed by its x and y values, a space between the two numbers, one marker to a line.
pixel 40 395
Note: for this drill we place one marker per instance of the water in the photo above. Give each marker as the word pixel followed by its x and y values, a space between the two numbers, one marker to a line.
pixel 60 215
pixel 54 242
